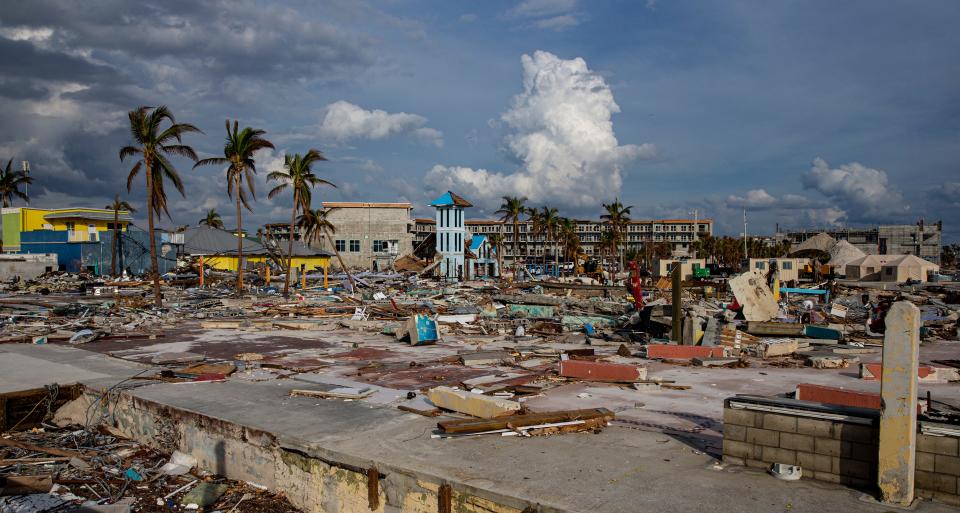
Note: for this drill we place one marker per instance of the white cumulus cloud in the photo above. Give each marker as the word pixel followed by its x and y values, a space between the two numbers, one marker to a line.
pixel 753 199
pixel 343 121
pixel 561 132
pixel 855 185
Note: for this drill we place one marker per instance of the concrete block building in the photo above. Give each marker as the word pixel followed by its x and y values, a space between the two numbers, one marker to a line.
pixel 370 235
pixel 921 239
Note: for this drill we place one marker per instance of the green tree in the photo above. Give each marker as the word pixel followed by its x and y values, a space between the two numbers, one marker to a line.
pixel 238 153
pixel 116 206
pixel 510 211
pixel 10 182
pixel 212 219
pixel 155 145
pixel 297 175
pixel 618 216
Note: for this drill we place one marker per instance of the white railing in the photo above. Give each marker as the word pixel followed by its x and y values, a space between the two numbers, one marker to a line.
pixel 82 236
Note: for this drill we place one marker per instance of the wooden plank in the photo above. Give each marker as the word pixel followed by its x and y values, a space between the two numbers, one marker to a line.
pixel 517 421
pixel 4 442
pixel 332 393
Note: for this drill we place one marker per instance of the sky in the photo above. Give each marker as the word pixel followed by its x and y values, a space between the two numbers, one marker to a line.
pixel 802 113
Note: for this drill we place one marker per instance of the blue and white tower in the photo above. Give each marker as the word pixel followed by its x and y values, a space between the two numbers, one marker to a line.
pixel 451 235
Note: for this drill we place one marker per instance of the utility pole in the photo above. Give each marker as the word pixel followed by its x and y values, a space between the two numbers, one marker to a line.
pixel 26 171
pixel 746 256
pixel 696 227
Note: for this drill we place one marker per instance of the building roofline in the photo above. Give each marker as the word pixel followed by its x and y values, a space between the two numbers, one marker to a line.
pixel 363 204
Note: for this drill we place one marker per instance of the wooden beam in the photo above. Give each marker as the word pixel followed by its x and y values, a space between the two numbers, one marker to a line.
pixel 518 421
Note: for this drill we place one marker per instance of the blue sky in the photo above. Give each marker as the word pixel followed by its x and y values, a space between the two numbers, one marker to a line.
pixel 803 113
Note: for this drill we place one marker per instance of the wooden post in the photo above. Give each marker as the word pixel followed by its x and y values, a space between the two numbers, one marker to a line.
pixel 303 277
pixel 201 271
pixel 675 284
pixel 898 404
pixel 267 275
pixel 325 268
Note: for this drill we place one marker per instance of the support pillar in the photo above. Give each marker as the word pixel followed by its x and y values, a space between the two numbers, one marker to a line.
pixel 898 404
pixel 267 275
pixel 675 290
pixel 201 271
pixel 325 275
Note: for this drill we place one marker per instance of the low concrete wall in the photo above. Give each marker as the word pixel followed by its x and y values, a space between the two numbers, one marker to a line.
pixel 312 478
pixel 758 432
pixel 26 266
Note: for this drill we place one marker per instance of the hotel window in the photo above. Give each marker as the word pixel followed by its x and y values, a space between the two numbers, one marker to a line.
pixel 354 246
pixel 341 245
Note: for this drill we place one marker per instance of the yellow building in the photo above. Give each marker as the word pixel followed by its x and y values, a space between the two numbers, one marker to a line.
pixel 81 224
pixel 219 251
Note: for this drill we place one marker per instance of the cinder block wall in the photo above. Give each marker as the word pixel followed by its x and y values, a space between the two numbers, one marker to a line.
pixel 834 451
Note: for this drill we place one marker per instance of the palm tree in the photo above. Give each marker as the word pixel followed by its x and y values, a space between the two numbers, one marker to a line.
pixel 155 146
pixel 607 243
pixel 536 227
pixel 496 240
pixel 315 224
pixel 550 221
pixel 238 153
pixel 510 211
pixel 116 206
pixel 570 239
pixel 212 219
pixel 618 216
pixel 10 182
pixel 299 177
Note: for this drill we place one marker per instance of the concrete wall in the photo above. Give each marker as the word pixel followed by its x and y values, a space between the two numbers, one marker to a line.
pixel 836 451
pixel 315 480
pixel 367 224
pixel 27 267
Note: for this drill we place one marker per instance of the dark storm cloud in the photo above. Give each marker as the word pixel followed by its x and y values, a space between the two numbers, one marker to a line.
pixel 23 59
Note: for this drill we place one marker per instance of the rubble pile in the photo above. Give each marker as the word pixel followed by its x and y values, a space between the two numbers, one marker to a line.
pixel 72 469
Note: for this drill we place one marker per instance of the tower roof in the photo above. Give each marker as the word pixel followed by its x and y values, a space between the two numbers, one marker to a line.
pixel 450 199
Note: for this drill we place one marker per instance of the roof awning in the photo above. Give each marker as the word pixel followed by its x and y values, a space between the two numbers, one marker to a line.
pixel 94 216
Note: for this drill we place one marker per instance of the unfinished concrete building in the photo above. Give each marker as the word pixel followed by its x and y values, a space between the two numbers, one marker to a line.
pixel 920 239
pixel 370 235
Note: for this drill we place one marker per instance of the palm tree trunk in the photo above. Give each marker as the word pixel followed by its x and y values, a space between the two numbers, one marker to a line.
pixel 293 219
pixel 339 258
pixel 113 245
pixel 154 268
pixel 239 242
pixel 516 254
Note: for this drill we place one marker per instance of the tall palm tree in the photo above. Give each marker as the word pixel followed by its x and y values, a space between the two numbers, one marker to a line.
pixel 607 244
pixel 536 227
pixel 116 206
pixel 510 211
pixel 550 221
pixel 238 151
pixel 155 146
pixel 298 176
pixel 496 240
pixel 10 182
pixel 570 240
pixel 212 219
pixel 618 216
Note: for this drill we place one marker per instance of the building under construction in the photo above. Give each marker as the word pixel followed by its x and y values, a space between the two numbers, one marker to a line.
pixel 920 239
